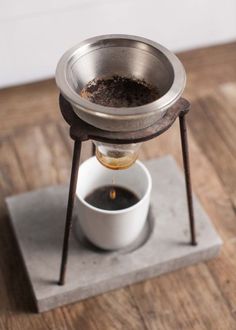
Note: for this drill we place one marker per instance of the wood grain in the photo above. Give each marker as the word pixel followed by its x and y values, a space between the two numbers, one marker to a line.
pixel 186 299
pixel 215 141
pixel 35 151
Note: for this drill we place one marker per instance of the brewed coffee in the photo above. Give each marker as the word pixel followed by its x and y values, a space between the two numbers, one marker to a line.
pixel 112 198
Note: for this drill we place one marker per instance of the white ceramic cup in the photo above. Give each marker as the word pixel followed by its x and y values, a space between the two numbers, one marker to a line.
pixel 106 229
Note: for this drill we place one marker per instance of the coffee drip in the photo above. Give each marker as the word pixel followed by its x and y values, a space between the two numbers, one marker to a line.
pixel 101 198
pixel 112 193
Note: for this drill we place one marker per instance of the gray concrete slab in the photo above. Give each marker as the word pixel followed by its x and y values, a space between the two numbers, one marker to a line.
pixel 38 217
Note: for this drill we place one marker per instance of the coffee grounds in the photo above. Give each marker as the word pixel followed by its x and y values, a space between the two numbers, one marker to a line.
pixel 119 92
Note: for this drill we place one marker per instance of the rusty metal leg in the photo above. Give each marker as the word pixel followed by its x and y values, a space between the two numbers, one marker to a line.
pixel 184 142
pixel 93 149
pixel 70 205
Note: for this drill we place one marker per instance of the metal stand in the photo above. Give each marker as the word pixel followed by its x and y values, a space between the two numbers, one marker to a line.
pixel 185 153
pixel 81 131
pixel 70 206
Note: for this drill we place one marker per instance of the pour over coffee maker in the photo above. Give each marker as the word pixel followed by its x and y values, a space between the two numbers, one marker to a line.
pixel 131 57
pixel 117 132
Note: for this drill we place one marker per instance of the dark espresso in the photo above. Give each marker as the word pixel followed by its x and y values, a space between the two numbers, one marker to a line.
pixel 119 92
pixel 111 198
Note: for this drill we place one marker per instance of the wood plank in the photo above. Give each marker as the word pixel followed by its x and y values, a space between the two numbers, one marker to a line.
pixel 27 105
pixel 113 310
pixel 205 80
pixel 223 270
pixel 221 118
pixel 208 56
pixel 35 158
pixel 206 133
pixel 61 157
pixel 187 299
pixel 229 92
pixel 226 95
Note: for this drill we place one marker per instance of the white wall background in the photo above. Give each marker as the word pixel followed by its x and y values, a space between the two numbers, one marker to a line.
pixel 34 34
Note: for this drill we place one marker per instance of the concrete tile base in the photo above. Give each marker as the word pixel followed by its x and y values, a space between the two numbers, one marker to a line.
pixel 38 222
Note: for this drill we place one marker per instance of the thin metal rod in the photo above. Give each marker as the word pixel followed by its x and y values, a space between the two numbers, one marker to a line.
pixel 185 153
pixel 69 213
pixel 93 149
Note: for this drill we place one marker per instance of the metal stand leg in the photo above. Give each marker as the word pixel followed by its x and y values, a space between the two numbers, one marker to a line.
pixel 184 142
pixel 70 205
pixel 93 149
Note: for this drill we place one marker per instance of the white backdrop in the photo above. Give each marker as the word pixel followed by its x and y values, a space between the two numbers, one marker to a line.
pixel 34 34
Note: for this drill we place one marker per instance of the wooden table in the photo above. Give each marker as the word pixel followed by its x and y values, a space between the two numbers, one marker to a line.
pixel 35 151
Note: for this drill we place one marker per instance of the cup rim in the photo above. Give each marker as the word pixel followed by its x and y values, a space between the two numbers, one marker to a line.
pixel 128 209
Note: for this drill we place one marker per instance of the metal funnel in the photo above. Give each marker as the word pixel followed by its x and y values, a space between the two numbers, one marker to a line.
pixel 126 56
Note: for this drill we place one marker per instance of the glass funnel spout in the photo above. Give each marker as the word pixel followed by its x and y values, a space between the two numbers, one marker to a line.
pixel 116 156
